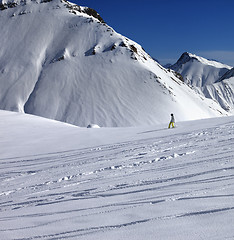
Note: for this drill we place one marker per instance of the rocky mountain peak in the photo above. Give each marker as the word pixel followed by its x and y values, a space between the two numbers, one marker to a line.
pixel 184 58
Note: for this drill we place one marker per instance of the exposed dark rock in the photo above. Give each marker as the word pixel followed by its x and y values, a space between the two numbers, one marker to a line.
pixel 92 12
pixel 133 48
pixel 122 44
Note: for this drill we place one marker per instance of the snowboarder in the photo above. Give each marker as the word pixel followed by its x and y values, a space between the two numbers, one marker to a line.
pixel 172 122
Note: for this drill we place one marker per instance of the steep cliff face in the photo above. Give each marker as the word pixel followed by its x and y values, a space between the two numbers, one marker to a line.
pixel 61 61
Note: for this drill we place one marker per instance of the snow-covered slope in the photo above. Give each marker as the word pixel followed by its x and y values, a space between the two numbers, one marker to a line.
pixel 63 182
pixel 58 62
pixel 222 91
pixel 213 79
pixel 198 71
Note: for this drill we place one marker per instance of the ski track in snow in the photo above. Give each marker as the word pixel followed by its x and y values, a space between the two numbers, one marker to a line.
pixel 98 192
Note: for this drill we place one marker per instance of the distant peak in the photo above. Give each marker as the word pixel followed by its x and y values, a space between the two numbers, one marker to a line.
pixel 189 55
pixel 186 57
pixel 186 54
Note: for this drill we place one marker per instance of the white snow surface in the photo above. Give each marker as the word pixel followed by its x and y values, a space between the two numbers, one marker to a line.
pixel 213 79
pixel 60 63
pixel 223 93
pixel 59 181
pixel 198 71
pixel 212 63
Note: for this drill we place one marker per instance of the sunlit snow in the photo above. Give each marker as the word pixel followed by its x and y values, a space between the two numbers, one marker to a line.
pixel 63 182
pixel 60 181
pixel 63 64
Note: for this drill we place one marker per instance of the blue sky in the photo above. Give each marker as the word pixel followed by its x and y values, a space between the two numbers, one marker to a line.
pixel 167 28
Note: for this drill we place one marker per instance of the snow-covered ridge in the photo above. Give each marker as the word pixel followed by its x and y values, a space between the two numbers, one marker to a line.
pixel 74 8
pixel 213 79
pixel 198 71
pixel 208 62
pixel 64 64
pixel 186 57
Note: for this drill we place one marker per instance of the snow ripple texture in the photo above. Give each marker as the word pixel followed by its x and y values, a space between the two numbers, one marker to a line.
pixel 160 184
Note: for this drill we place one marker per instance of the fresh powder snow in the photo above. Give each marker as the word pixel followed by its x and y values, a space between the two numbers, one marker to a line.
pixel 59 181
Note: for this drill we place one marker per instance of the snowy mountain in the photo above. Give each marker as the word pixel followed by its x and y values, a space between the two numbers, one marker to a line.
pixel 63 182
pixel 61 61
pixel 213 79
pixel 223 91
pixel 198 71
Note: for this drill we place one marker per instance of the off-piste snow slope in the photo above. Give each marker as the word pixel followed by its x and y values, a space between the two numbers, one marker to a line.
pixel 58 181
pixel 214 79
pixel 60 62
